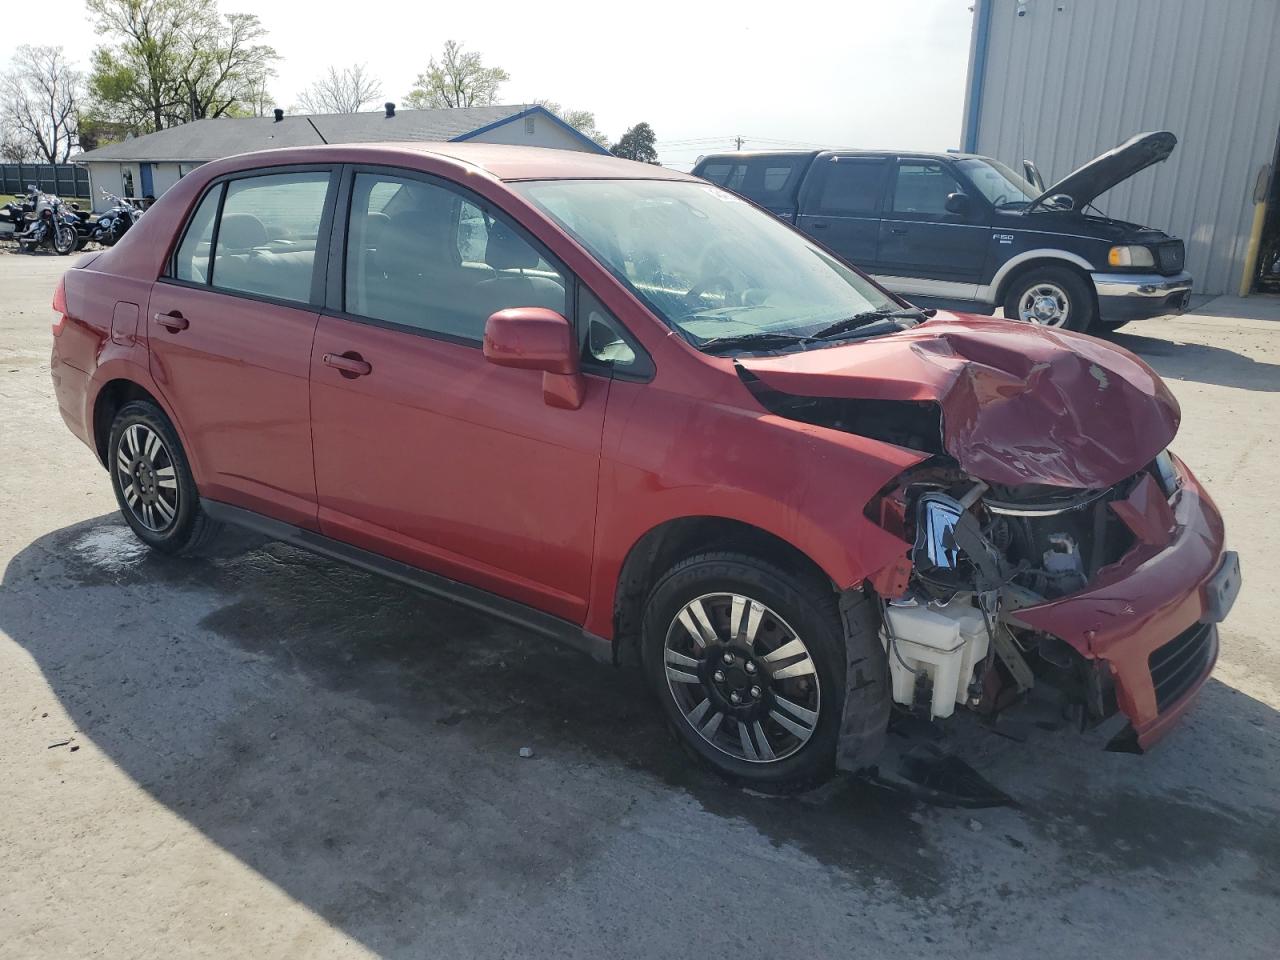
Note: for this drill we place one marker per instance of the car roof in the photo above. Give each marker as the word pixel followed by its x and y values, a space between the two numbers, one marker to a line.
pixel 501 161
pixel 851 152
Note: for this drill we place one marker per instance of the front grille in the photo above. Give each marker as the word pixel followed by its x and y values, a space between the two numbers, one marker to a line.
pixel 1182 661
pixel 1170 256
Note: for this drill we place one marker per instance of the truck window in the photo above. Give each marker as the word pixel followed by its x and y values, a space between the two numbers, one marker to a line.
pixel 850 186
pixel 768 180
pixel 922 188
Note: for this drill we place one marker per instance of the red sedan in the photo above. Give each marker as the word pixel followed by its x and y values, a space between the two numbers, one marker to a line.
pixel 629 410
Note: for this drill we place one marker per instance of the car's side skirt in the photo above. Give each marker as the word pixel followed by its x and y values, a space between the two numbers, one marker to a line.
pixel 477 599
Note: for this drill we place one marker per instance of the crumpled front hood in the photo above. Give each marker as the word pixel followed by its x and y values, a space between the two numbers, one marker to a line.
pixel 1020 403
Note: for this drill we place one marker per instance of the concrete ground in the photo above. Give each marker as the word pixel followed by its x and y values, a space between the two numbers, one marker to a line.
pixel 267 754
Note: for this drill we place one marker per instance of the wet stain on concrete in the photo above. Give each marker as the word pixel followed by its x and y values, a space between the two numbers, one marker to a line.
pixel 442 696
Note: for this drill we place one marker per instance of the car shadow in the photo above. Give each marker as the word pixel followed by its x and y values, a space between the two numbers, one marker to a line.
pixel 356 743
pixel 1200 363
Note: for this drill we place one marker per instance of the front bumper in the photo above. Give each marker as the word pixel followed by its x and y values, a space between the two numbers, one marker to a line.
pixel 1134 296
pixel 1145 609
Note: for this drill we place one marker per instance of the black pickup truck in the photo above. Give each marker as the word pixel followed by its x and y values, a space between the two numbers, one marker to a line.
pixel 959 227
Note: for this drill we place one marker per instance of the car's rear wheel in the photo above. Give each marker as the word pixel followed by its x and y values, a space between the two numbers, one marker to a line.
pixel 748 662
pixel 1051 297
pixel 152 480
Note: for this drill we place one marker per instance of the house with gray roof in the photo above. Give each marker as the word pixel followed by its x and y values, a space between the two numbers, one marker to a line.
pixel 150 165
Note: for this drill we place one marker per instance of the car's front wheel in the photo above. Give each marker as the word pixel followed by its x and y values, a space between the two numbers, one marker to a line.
pixel 748 662
pixel 153 482
pixel 1051 297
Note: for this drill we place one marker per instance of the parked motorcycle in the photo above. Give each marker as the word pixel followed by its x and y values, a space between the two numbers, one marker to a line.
pixel 13 215
pixel 52 224
pixel 112 225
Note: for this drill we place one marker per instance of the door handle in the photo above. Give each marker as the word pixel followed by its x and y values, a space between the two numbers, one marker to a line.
pixel 173 321
pixel 898 230
pixel 349 364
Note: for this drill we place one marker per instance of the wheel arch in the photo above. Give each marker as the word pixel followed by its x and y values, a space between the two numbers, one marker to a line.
pixel 664 545
pixel 109 401
pixel 1024 263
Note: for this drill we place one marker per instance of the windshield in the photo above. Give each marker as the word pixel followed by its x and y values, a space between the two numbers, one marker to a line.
pixel 709 264
pixel 1005 189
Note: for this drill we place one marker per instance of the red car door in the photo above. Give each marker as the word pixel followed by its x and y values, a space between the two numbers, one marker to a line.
pixel 230 340
pixel 424 451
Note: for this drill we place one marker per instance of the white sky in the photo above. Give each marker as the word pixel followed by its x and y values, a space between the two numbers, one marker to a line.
pixel 860 73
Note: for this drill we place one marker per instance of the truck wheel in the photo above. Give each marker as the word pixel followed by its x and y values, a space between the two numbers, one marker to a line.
pixel 153 483
pixel 1052 297
pixel 748 662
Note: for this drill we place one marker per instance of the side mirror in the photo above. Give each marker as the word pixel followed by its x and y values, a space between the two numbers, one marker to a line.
pixel 957 203
pixel 534 338
pixel 1032 174
pixel 1060 201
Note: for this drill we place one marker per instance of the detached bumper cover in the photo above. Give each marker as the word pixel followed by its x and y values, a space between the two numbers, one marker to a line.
pixel 1150 618
pixel 1132 296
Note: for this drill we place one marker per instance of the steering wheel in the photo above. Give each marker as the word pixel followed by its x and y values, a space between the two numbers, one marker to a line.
pixel 714 276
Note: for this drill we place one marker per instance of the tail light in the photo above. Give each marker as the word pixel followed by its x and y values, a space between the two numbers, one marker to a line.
pixel 59 307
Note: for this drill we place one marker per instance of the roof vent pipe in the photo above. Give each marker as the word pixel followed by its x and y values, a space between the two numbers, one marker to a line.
pixel 279 114
pixel 391 108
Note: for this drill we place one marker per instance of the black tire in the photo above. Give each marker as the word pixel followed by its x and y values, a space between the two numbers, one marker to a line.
pixel 805 608
pixel 1080 307
pixel 189 528
pixel 64 239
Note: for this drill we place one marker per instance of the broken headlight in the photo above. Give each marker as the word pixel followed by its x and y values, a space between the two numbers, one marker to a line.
pixel 1166 473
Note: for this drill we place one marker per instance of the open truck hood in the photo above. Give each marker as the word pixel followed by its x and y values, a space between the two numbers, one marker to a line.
pixel 1087 183
pixel 1020 404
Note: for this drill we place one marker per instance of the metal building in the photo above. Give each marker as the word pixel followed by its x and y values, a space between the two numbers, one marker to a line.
pixel 1060 81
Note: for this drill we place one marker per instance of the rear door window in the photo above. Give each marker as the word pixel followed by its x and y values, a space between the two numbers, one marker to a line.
pixel 267 235
pixel 192 260
pixel 849 186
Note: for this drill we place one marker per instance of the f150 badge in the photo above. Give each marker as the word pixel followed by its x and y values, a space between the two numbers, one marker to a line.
pixel 1003 237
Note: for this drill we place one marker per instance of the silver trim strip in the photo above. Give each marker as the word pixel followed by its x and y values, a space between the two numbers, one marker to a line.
pixel 922 287
pixel 1140 284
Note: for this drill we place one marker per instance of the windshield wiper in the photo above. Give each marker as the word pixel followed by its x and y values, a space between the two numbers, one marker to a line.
pixel 871 316
pixel 752 341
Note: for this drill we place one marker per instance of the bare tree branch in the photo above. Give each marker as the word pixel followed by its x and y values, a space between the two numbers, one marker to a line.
pixel 348 90
pixel 39 102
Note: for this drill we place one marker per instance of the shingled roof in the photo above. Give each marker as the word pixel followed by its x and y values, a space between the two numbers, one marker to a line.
pixel 206 140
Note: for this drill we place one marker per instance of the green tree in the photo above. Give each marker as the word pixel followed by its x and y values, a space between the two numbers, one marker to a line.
pixel 637 144
pixel 458 79
pixel 167 62
pixel 584 121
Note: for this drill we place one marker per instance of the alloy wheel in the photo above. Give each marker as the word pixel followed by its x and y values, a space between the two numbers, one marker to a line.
pixel 1046 304
pixel 742 678
pixel 148 480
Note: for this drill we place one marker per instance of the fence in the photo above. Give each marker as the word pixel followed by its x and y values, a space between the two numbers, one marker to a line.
pixel 63 179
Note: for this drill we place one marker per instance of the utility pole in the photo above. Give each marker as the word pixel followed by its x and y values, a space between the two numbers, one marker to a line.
pixel 738 140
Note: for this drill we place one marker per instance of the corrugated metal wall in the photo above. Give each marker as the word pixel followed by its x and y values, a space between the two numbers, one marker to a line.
pixel 1072 78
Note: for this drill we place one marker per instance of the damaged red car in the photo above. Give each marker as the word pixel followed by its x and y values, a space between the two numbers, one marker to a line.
pixel 629 410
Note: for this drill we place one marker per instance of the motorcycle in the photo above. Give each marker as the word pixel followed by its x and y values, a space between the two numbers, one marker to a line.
pixel 13 215
pixel 112 225
pixel 51 224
